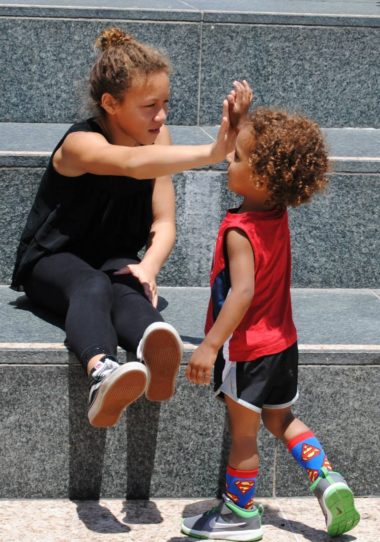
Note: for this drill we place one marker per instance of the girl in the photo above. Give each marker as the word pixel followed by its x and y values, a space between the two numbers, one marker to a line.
pixel 105 195
pixel 279 160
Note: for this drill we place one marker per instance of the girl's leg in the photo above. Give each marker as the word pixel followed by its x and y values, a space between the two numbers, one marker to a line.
pixel 243 462
pixel 140 328
pixel 132 312
pixel 68 286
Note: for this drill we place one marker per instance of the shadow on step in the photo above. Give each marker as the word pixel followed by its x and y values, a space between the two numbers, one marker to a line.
pixel 114 462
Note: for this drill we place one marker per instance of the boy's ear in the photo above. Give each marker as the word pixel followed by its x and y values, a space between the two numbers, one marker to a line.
pixel 259 182
pixel 109 103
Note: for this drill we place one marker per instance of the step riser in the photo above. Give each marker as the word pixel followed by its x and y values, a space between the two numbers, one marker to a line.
pixel 335 239
pixel 326 72
pixel 49 450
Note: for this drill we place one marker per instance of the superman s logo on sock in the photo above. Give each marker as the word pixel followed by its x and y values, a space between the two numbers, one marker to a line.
pixel 309 451
pixel 244 485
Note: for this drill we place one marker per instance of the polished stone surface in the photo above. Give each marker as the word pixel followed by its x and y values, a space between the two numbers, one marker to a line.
pixel 327 73
pixel 329 12
pixel 319 59
pixel 50 450
pixel 335 239
pixel 48 83
pixel 161 10
pixel 341 405
pixel 46 438
pixel 158 520
pixel 30 144
pixel 43 396
pixel 345 317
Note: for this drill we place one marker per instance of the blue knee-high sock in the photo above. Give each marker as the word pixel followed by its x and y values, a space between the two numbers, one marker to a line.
pixel 241 486
pixel 309 454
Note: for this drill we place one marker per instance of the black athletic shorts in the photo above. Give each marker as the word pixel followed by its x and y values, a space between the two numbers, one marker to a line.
pixel 269 381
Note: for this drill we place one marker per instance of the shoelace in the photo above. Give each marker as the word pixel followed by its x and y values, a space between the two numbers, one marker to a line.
pixel 107 368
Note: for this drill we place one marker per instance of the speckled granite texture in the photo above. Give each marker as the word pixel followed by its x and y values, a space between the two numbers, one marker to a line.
pixel 49 450
pixel 335 239
pixel 345 317
pixel 158 520
pixel 46 439
pixel 327 73
pixel 45 78
pixel 324 63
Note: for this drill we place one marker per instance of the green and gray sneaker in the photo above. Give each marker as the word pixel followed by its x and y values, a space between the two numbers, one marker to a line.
pixel 226 522
pixel 337 502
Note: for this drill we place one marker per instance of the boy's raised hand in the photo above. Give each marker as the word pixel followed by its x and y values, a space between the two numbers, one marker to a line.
pixel 239 100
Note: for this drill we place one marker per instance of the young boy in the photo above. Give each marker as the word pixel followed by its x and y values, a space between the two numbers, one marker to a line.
pixel 280 160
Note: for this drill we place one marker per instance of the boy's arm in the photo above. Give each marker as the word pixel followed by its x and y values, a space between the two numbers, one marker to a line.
pixel 241 266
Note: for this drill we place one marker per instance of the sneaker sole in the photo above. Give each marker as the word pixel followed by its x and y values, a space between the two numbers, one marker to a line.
pixel 119 390
pixel 341 514
pixel 238 537
pixel 162 355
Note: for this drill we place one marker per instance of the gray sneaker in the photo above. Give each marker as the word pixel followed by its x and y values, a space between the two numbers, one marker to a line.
pixel 112 388
pixel 226 522
pixel 337 502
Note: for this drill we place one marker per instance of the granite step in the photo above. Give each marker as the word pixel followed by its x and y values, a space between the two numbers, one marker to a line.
pixel 336 239
pixel 321 58
pixel 45 437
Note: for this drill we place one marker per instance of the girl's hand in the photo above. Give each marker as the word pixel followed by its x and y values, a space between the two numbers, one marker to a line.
pixel 145 277
pixel 200 365
pixel 239 100
pixel 226 137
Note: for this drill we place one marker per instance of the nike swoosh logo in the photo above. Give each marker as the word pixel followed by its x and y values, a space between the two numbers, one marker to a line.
pixel 228 525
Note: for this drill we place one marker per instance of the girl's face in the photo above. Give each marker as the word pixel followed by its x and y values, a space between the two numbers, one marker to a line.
pixel 139 117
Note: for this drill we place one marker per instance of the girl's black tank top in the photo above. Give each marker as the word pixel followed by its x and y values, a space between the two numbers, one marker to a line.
pixel 95 217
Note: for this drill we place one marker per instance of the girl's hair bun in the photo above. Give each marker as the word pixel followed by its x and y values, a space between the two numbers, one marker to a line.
pixel 112 37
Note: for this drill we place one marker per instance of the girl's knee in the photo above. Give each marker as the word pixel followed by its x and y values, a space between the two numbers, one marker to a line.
pixel 94 284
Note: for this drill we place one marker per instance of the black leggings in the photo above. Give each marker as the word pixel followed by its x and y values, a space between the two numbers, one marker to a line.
pixel 101 310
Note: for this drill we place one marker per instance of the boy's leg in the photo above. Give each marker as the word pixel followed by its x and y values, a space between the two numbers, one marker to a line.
pixel 334 495
pixel 141 329
pixel 236 518
pixel 243 461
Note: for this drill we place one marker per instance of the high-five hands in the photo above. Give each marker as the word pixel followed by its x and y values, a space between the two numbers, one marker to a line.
pixel 235 108
pixel 239 100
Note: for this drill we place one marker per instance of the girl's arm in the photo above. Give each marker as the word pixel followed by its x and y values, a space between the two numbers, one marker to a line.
pixel 241 266
pixel 87 152
pixel 162 233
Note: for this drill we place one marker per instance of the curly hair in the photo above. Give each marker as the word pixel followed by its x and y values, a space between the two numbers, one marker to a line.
pixel 288 154
pixel 121 58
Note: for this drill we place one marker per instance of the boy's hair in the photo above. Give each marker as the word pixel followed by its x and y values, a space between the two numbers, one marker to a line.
pixel 288 154
pixel 121 59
